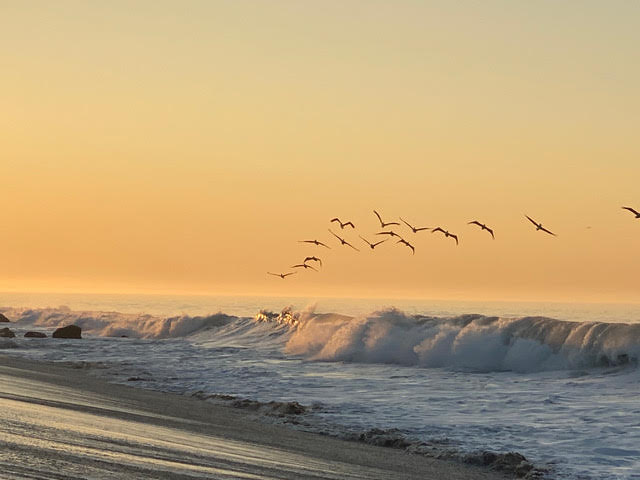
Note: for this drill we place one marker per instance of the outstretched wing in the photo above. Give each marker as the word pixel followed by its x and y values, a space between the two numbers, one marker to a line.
pixel 378 243
pixel 348 223
pixel 300 265
pixel 379 219
pixel 475 222
pixel 336 219
pixel 454 236
pixel 406 223
pixel 491 232
pixel 532 220
pixel 334 234
pixel 437 229
pixel 365 240
pixel 274 274
pixel 635 212
pixel 287 274
pixel 421 228
pixel 545 230
pixel 320 243
pixel 392 233
pixel 347 243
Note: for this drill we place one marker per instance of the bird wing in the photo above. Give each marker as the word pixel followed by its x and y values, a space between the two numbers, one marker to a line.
pixel 300 265
pixel 334 234
pixel 386 233
pixel 437 229
pixel 320 243
pixel 390 223
pixel 349 223
pixel 532 220
pixel 287 274
pixel 406 223
pixel 491 232
pixel 475 222
pixel 381 241
pixel 274 274
pixel 422 228
pixel 365 240
pixel 631 210
pixel 347 243
pixel 380 219
pixel 454 236
pixel 545 230
pixel 336 219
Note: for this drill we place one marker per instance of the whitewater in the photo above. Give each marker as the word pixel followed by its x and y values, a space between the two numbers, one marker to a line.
pixel 556 383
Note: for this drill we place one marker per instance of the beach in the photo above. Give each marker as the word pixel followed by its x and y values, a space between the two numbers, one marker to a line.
pixel 59 422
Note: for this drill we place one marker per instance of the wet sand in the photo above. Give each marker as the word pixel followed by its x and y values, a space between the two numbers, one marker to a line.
pixel 60 423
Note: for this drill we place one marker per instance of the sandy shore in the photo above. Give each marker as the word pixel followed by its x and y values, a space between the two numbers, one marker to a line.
pixel 60 423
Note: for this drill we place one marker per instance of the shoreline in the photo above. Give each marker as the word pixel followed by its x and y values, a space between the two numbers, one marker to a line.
pixel 69 420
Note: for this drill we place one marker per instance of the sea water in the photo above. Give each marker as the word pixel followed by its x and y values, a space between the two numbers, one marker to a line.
pixel 557 383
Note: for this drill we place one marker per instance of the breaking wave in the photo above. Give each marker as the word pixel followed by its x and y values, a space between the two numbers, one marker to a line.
pixel 115 324
pixel 471 342
pixel 474 342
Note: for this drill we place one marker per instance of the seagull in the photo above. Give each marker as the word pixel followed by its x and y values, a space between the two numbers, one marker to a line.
pixel 402 240
pixel 383 224
pixel 304 265
pixel 315 242
pixel 446 234
pixel 414 229
pixel 343 241
pixel 282 275
pixel 635 212
pixel 372 245
pixel 483 227
pixel 313 259
pixel 390 233
pixel 342 225
pixel 539 226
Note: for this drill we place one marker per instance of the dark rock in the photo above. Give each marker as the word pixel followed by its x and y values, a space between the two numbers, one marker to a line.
pixel 35 335
pixel 70 331
pixel 4 319
pixel 6 333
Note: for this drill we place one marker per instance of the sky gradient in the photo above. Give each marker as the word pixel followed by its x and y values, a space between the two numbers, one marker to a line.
pixel 185 147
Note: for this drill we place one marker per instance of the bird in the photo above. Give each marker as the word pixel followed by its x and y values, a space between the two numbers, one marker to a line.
pixel 635 212
pixel 372 245
pixel 391 233
pixel 539 226
pixel 414 229
pixel 304 265
pixel 313 259
pixel 282 275
pixel 384 224
pixel 315 242
pixel 343 241
pixel 483 227
pixel 402 240
pixel 342 225
pixel 446 234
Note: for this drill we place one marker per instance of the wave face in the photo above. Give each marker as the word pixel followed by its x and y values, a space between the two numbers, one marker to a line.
pixel 115 324
pixel 474 342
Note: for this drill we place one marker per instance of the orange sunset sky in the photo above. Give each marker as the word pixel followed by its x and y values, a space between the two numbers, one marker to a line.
pixel 185 147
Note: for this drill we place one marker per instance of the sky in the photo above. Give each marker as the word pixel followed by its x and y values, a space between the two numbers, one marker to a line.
pixel 186 147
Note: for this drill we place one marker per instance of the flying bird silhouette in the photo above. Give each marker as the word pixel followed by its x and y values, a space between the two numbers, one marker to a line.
pixel 446 233
pixel 635 212
pixel 391 233
pixel 384 224
pixel 313 259
pixel 483 227
pixel 539 226
pixel 342 225
pixel 402 240
pixel 304 265
pixel 372 245
pixel 282 275
pixel 343 241
pixel 414 229
pixel 315 242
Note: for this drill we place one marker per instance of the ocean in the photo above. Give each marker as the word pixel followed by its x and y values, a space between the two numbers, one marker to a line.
pixel 558 383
